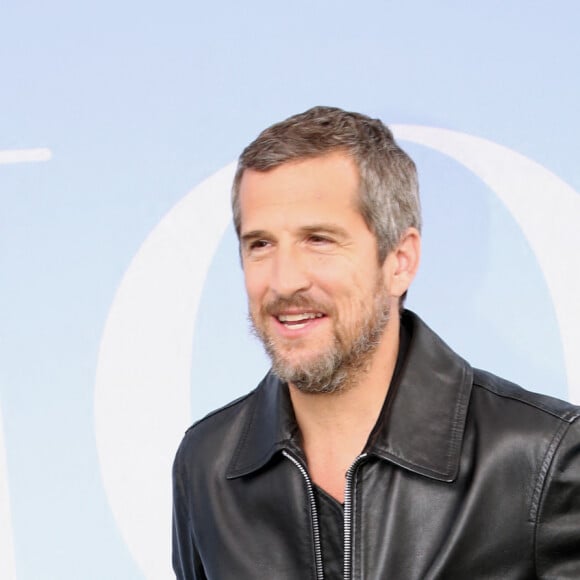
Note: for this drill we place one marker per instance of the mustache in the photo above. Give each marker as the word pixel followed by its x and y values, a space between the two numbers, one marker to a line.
pixel 281 303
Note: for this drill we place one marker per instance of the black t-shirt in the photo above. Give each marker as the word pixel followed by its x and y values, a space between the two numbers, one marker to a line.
pixel 331 525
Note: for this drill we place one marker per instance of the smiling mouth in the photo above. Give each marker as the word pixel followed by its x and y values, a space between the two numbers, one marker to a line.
pixel 299 320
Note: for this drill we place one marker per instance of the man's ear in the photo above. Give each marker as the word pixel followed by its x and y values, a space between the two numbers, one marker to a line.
pixel 402 263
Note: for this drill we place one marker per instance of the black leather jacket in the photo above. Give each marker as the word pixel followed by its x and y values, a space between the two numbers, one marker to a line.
pixel 465 476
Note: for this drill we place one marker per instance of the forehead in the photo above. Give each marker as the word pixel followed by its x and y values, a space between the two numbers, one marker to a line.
pixel 309 188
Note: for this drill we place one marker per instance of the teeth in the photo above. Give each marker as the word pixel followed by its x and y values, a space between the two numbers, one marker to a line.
pixel 298 317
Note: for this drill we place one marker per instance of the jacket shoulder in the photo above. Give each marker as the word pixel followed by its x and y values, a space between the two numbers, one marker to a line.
pixel 508 391
pixel 222 413
pixel 207 440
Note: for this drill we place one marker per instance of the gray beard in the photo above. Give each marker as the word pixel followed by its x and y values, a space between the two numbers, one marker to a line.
pixel 341 365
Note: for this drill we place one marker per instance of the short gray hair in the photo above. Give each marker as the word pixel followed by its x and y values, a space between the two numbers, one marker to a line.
pixel 389 190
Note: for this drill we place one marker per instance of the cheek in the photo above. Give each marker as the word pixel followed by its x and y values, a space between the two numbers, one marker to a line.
pixel 253 283
pixel 356 299
pixel 254 305
pixel 257 294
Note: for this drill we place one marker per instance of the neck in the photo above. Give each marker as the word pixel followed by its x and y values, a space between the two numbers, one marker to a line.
pixel 335 426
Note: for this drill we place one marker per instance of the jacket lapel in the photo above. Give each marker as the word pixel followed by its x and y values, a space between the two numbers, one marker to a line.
pixel 270 427
pixel 421 426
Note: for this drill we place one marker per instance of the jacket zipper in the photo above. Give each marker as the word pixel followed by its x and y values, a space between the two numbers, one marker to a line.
pixel 313 513
pixel 348 513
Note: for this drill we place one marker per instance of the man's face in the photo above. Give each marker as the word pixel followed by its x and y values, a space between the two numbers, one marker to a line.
pixel 317 293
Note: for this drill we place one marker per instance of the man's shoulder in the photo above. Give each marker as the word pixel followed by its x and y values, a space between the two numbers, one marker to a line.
pixel 220 420
pixel 209 437
pixel 509 398
pixel 494 401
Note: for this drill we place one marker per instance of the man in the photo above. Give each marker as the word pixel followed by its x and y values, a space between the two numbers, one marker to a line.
pixel 370 450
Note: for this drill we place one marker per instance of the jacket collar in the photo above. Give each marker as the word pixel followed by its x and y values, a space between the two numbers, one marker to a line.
pixel 420 427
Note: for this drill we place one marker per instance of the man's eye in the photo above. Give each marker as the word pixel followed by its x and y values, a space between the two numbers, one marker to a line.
pixel 319 240
pixel 258 244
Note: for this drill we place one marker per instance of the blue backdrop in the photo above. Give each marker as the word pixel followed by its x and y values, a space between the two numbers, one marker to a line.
pixel 122 314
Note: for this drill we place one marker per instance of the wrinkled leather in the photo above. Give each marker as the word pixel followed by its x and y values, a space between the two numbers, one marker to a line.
pixel 467 477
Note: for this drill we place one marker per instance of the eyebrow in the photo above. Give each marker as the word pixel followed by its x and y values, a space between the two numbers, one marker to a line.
pixel 254 235
pixel 309 229
pixel 325 228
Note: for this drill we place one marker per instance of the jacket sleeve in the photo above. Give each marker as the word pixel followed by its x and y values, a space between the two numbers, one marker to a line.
pixel 558 524
pixel 187 563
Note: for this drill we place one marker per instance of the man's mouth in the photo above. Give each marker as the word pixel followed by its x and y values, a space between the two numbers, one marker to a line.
pixel 298 320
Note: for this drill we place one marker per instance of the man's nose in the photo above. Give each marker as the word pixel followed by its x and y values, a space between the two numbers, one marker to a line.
pixel 290 272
